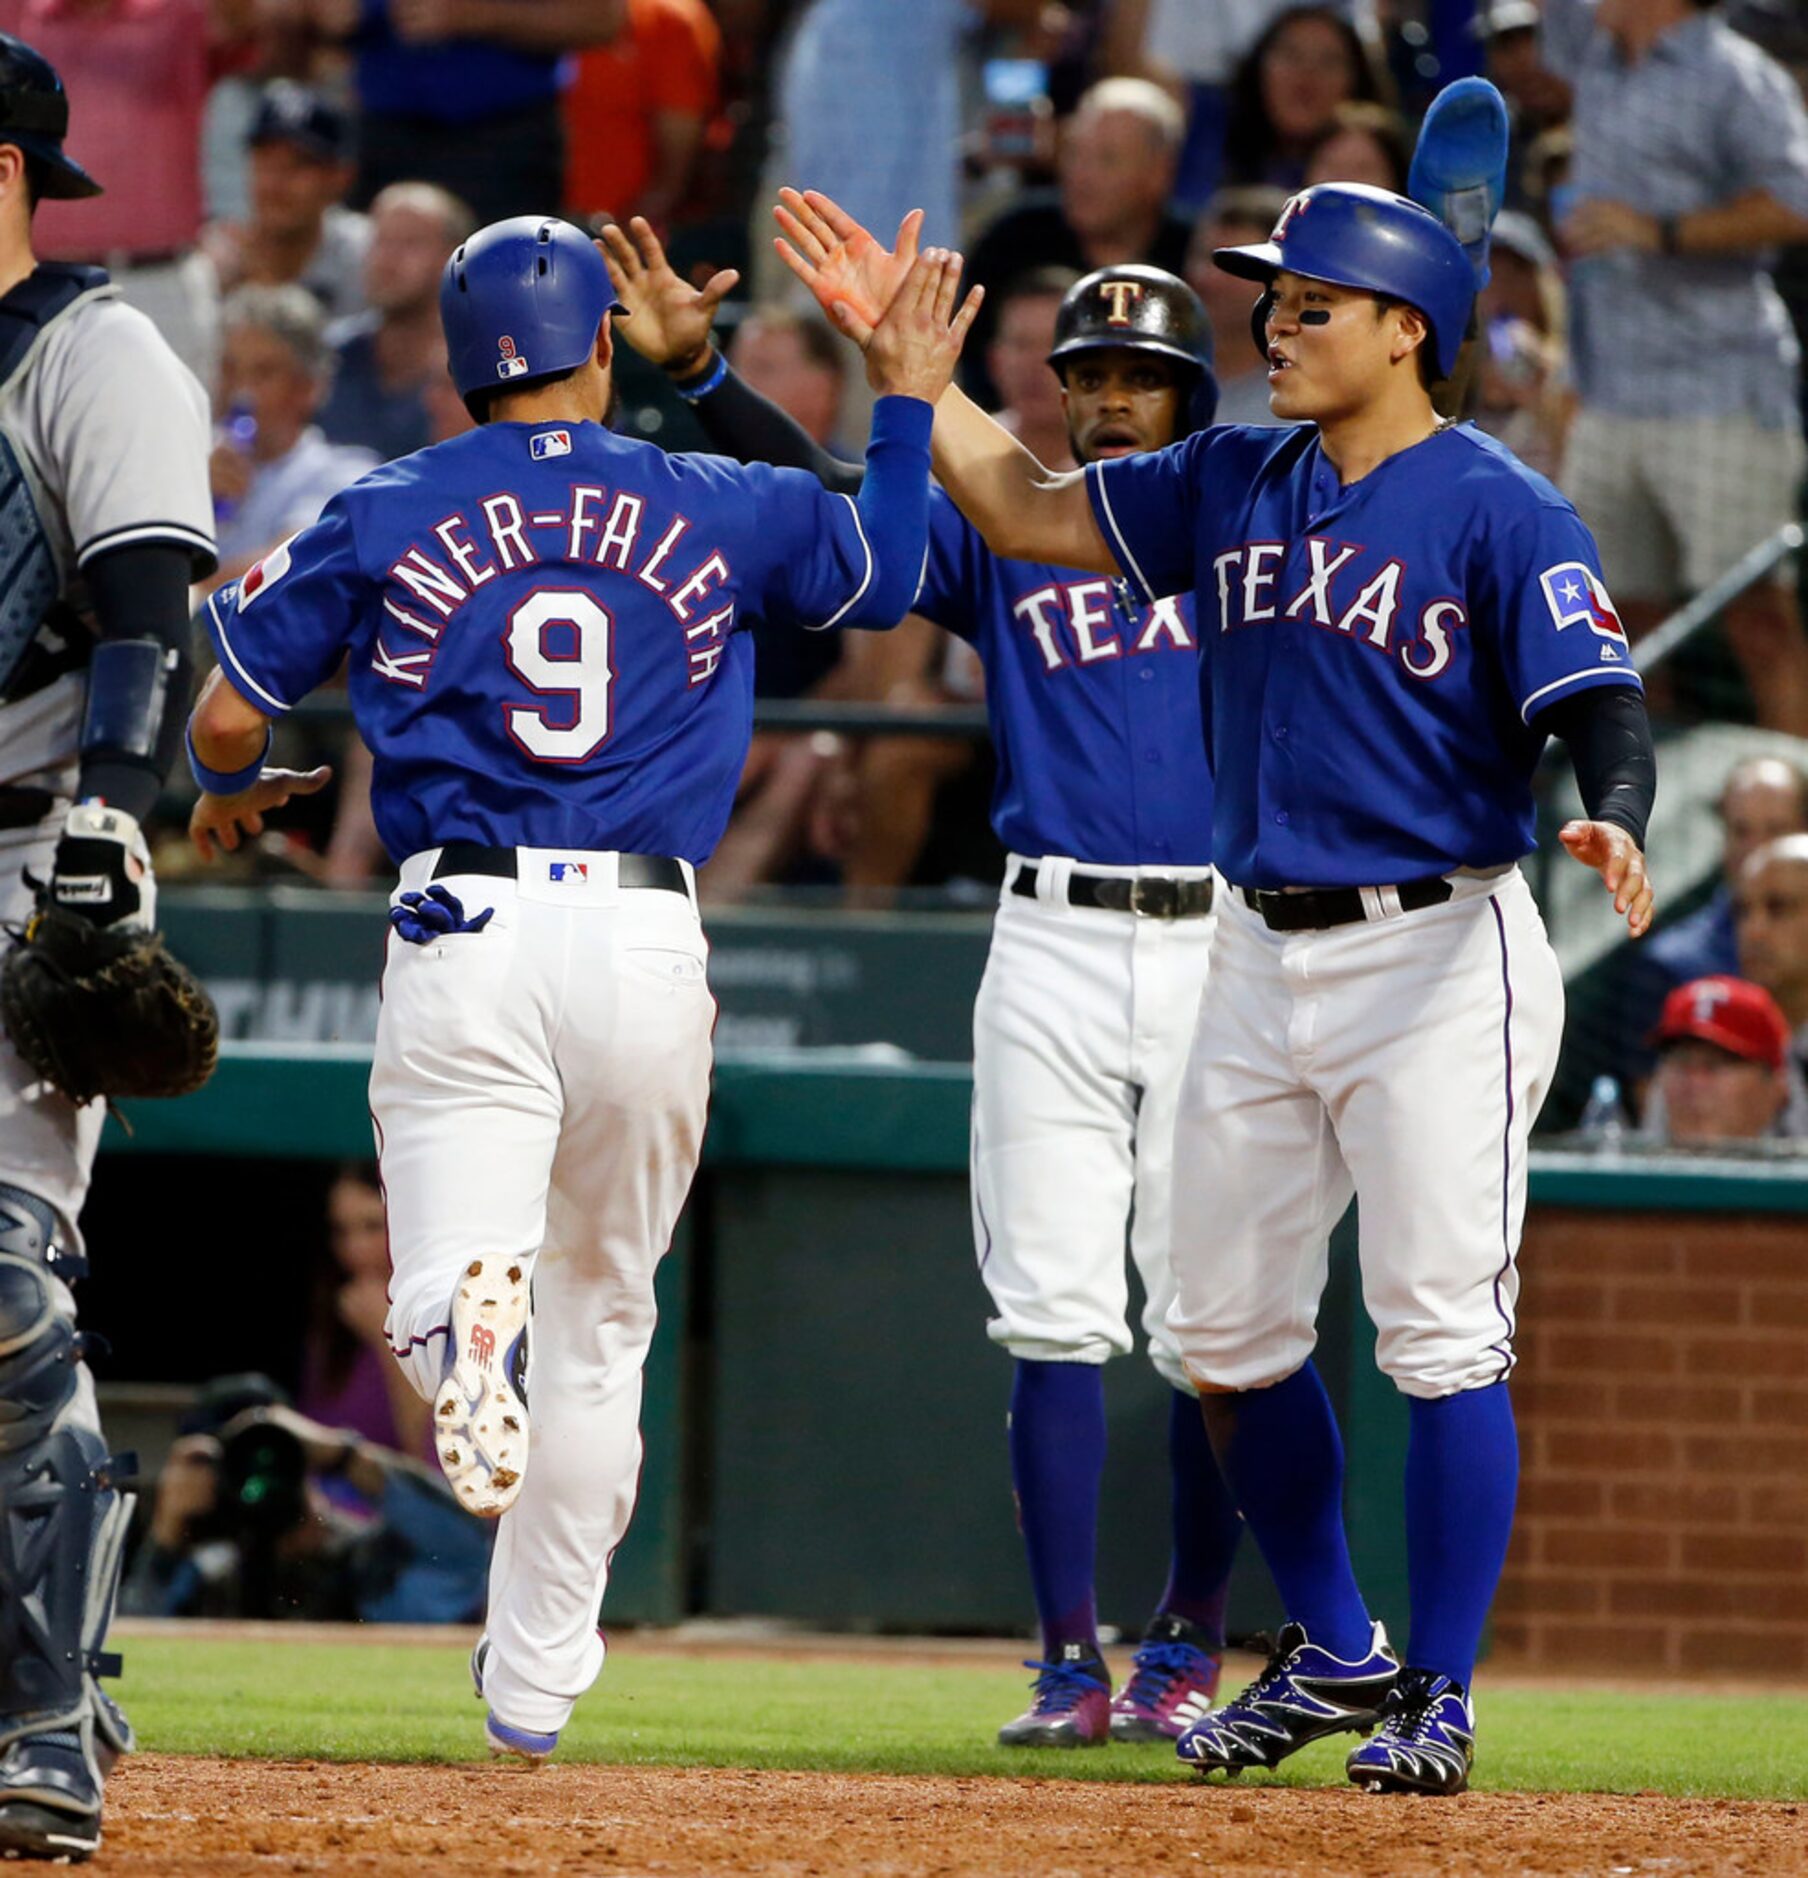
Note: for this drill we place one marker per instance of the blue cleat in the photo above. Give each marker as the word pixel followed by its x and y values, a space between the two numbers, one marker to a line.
pixel 1459 168
pixel 1304 1692
pixel 521 1744
pixel 1426 1741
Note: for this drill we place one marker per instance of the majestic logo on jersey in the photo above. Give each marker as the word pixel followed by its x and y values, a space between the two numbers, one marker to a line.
pixel 511 364
pixel 568 870
pixel 1122 294
pixel 1576 597
pixel 266 573
pixel 545 443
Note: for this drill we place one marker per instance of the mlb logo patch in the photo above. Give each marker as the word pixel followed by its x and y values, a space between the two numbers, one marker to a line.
pixel 511 368
pixel 1576 597
pixel 545 443
pixel 568 870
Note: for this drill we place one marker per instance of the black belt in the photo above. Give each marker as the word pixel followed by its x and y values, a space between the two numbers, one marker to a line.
pixel 1320 907
pixel 1150 897
pixel 634 870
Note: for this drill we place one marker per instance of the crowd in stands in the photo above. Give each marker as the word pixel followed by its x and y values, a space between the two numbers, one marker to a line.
pixel 285 179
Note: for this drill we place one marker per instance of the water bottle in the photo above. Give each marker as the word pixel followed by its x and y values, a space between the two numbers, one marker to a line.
pixel 1603 1123
pixel 240 431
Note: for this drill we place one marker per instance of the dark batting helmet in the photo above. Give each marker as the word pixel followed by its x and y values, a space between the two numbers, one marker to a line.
pixel 1135 308
pixel 522 299
pixel 34 114
pixel 1354 235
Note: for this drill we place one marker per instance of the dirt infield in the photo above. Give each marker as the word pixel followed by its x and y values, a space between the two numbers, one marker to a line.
pixel 170 1817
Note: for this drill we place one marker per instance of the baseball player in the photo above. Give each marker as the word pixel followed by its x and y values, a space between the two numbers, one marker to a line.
pixel 103 465
pixel 1394 615
pixel 545 628
pixel 1086 1008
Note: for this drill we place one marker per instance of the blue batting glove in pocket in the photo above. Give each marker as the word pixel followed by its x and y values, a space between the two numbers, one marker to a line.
pixel 423 917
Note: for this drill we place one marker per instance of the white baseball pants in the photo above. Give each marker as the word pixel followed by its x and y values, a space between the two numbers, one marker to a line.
pixel 1080 1037
pixel 1403 1060
pixel 539 1089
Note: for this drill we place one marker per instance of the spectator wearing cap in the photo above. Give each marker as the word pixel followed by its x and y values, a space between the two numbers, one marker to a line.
pixel 299 152
pixel 1537 98
pixel 274 374
pixel 1690 166
pixel 1770 911
pixel 385 359
pixel 1234 218
pixel 1762 799
pixel 138 74
pixel 1723 1071
pixel 465 93
pixel 1522 388
pixel 638 110
pixel 1115 173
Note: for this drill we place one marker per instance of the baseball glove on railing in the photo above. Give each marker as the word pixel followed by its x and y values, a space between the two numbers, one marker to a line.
pixel 105 1010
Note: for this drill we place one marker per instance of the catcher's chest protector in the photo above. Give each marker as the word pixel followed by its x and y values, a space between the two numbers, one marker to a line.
pixel 30 581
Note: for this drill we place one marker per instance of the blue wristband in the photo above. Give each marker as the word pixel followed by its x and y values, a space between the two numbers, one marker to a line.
pixel 221 782
pixel 705 385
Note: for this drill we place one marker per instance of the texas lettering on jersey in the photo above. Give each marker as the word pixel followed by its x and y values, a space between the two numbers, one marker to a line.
pixel 432 579
pixel 1076 623
pixel 1343 591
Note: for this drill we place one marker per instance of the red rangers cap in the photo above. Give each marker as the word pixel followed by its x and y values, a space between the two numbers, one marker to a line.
pixel 1730 1013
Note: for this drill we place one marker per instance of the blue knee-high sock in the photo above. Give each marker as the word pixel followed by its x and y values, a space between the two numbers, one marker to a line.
pixel 1057 1456
pixel 1462 1476
pixel 1282 1454
pixel 1207 1525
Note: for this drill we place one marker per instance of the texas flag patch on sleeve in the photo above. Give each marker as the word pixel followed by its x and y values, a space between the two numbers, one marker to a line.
pixel 265 574
pixel 1576 597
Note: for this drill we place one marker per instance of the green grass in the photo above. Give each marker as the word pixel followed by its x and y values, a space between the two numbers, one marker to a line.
pixel 377 1702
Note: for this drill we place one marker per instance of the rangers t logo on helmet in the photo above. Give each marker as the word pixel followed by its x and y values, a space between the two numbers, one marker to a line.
pixel 1119 292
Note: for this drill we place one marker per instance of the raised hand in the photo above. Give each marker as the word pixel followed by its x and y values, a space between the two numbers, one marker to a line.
pixel 913 350
pixel 223 821
pixel 838 260
pixel 1615 856
pixel 668 319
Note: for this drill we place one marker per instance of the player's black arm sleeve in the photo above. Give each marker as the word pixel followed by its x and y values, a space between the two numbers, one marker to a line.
pixel 138 679
pixel 1608 735
pixel 752 429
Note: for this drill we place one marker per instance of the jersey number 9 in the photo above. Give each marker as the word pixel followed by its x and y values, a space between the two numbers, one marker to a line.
pixel 557 644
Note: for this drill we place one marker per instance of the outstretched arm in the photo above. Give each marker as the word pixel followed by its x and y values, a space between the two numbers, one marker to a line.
pixel 1608 735
pixel 1024 511
pixel 911 356
pixel 668 323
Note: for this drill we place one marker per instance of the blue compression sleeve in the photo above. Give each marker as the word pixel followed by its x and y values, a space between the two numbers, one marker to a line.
pixel 894 510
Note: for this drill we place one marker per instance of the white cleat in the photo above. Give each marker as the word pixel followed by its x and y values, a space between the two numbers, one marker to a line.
pixel 480 1425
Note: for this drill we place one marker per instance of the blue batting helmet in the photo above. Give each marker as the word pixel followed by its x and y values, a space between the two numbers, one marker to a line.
pixel 1354 235
pixel 522 299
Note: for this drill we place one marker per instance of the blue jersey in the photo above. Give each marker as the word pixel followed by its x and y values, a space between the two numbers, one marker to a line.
pixel 1374 655
pixel 1093 696
pixel 543 627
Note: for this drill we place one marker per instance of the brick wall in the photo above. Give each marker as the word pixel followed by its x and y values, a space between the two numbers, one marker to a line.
pixel 1662 1395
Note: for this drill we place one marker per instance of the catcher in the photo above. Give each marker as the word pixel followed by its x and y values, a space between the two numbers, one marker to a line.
pixel 104 520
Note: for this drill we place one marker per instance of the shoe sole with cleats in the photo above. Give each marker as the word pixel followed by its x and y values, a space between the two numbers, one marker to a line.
pixel 480 1423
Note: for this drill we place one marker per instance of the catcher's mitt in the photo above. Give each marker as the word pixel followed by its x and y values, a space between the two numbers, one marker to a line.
pixel 101 1011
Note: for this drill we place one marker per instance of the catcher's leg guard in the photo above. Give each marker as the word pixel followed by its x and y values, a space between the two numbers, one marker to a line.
pixel 63 1521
